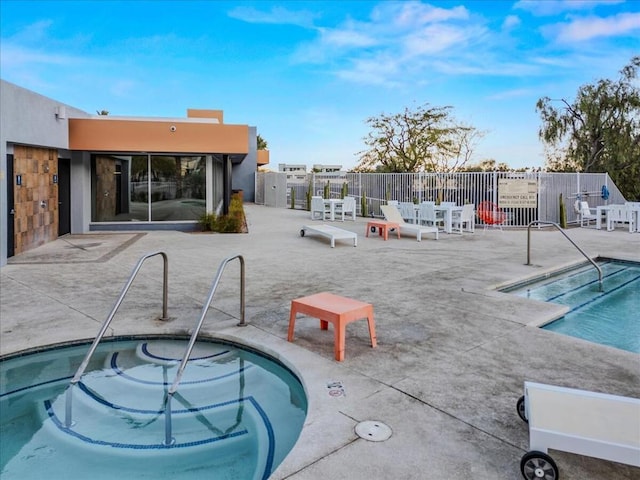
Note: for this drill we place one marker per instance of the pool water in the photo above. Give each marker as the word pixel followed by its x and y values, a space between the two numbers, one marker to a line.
pixel 611 317
pixel 236 414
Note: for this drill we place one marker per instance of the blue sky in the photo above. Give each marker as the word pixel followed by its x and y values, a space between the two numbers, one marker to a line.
pixel 308 74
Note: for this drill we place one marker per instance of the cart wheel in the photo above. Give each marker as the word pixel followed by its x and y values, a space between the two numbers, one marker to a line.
pixel 536 465
pixel 520 408
pixel 373 229
pixel 302 232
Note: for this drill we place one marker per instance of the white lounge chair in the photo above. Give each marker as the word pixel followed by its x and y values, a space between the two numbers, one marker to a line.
pixel 391 214
pixel 319 209
pixel 577 421
pixel 331 232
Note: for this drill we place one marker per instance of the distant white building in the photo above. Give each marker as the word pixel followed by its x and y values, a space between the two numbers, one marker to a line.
pixel 294 172
pixel 327 169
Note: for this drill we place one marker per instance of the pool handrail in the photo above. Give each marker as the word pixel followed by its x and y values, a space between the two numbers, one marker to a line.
pixel 540 222
pixel 185 358
pixel 165 289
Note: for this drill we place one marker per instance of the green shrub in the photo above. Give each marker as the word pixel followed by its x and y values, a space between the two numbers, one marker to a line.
pixel 309 193
pixel 207 222
pixel 233 222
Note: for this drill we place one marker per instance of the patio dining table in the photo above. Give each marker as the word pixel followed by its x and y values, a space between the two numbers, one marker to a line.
pixel 448 215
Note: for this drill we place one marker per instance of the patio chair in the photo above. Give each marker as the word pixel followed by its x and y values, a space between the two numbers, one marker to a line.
pixel 620 214
pixel 408 211
pixel 391 214
pixel 428 215
pixel 586 214
pixel 348 206
pixel 491 215
pixel 465 217
pixel 319 208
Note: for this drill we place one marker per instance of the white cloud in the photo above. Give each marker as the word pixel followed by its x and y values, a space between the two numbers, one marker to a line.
pixel 380 70
pixel 397 37
pixel 277 15
pixel 515 93
pixel 14 56
pixel 543 8
pixel 438 38
pixel 411 14
pixel 346 38
pixel 582 29
pixel 511 22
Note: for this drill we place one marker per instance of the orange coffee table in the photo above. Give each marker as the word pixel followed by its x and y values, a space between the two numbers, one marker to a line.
pixel 335 309
pixel 383 226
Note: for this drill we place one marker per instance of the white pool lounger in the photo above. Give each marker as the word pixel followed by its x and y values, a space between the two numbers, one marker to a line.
pixel 577 421
pixel 333 233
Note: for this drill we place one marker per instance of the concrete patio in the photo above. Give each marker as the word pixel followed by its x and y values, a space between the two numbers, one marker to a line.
pixel 452 354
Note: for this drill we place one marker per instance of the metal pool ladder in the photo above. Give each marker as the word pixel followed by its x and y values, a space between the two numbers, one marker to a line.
pixel 68 423
pixel 540 222
pixel 169 440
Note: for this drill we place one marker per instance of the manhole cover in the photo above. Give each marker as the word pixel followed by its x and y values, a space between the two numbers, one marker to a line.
pixel 373 431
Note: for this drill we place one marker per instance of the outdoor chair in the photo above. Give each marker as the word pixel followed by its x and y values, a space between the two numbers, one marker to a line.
pixel 319 208
pixel 622 214
pixel 586 214
pixel 491 215
pixel 348 207
pixel 428 215
pixel 408 211
pixel 467 217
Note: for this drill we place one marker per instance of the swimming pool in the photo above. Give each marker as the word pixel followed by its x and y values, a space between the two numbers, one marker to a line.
pixel 236 415
pixel 609 317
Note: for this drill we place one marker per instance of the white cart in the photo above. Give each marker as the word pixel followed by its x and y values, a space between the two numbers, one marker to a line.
pixel 577 421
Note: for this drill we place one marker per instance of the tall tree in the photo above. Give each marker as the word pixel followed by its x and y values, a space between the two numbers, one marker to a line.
pixel 261 143
pixel 427 139
pixel 599 131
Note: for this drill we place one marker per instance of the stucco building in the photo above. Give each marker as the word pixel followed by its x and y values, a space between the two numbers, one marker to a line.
pixel 63 170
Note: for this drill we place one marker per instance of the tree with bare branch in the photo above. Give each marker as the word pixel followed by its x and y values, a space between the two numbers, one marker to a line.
pixel 427 139
pixel 598 132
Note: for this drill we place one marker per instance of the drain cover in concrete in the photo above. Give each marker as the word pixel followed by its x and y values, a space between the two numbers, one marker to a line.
pixel 373 431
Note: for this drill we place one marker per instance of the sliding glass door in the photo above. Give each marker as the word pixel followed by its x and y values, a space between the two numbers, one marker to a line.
pixel 148 187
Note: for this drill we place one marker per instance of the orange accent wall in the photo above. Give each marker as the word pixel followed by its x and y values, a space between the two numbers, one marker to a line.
pixel 94 134
pixel 200 113
pixel 263 157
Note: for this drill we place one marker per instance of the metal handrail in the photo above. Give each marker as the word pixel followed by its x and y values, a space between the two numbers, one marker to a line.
pixel 174 386
pixel 540 222
pixel 76 378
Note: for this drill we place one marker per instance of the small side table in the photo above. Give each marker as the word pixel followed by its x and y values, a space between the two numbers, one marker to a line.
pixel 383 226
pixel 335 309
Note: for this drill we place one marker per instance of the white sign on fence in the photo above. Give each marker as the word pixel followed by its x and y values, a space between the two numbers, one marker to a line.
pixel 517 193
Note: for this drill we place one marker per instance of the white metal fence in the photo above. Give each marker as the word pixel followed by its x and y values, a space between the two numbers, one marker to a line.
pixel 524 197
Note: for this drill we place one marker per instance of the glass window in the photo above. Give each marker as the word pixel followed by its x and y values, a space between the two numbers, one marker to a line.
pixel 148 187
pixel 177 188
